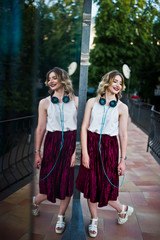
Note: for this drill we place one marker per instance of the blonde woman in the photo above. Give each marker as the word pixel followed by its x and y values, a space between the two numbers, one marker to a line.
pixel 58 116
pixel 105 118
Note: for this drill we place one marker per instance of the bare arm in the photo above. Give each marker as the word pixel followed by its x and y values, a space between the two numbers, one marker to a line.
pixel 73 158
pixel 123 136
pixel 76 101
pixel 85 125
pixel 40 130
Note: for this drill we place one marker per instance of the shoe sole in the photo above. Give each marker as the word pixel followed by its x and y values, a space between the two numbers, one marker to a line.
pixel 59 231
pixel 92 235
pixel 36 214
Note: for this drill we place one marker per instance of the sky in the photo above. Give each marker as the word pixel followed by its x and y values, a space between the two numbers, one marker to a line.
pixel 94 7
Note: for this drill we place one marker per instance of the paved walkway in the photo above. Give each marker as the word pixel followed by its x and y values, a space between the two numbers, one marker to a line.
pixel 141 189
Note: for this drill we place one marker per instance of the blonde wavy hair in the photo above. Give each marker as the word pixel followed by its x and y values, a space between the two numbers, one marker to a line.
pixel 107 80
pixel 63 78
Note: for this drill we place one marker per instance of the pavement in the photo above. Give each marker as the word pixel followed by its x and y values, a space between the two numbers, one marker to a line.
pixel 141 189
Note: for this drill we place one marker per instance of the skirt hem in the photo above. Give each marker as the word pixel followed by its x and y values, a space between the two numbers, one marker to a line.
pixel 99 204
pixel 54 201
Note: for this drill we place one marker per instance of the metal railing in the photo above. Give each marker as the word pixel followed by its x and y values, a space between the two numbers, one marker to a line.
pixel 16 154
pixel 146 118
pixel 140 114
pixel 154 136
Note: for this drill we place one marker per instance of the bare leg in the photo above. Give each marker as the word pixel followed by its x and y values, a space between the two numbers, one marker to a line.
pixel 63 205
pixel 116 204
pixel 35 203
pixel 40 198
pixel 92 208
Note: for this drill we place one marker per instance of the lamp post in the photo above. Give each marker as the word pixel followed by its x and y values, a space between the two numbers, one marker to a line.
pixel 76 229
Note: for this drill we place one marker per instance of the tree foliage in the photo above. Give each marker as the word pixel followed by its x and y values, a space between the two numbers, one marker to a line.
pixel 60 36
pixel 35 37
pixel 17 58
pixel 127 31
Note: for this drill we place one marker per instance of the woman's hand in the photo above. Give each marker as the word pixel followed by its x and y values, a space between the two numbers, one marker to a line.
pixel 86 160
pixel 73 160
pixel 121 168
pixel 38 160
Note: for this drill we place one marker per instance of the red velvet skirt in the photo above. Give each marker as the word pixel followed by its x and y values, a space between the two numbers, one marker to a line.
pixel 93 182
pixel 59 183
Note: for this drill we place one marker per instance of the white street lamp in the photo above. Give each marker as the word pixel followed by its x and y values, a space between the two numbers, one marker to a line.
pixel 127 72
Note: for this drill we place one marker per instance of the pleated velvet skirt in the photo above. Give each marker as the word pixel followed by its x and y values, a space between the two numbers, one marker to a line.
pixel 59 183
pixel 93 182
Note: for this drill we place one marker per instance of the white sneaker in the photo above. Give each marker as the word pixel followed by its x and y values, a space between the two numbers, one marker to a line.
pixel 35 207
pixel 127 213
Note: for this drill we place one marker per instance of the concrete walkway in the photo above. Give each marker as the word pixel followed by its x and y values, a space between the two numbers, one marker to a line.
pixel 141 189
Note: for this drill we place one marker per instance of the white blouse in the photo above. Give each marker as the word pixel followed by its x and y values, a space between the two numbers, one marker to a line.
pixel 111 124
pixel 54 119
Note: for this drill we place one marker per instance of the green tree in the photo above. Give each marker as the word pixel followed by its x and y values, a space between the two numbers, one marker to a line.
pixel 17 35
pixel 35 37
pixel 125 33
pixel 60 36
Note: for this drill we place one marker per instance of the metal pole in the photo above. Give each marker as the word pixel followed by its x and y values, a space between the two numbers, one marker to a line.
pixel 76 229
pixel 128 88
pixel 83 81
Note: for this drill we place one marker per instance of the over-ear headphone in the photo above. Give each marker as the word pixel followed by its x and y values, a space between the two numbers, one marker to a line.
pixel 112 103
pixel 54 100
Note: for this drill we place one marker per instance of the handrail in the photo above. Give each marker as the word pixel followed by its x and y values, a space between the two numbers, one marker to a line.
pixel 15 119
pixel 16 154
pixel 148 119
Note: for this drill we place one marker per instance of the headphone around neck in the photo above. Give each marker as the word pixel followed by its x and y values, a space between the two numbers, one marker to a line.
pixel 55 100
pixel 112 103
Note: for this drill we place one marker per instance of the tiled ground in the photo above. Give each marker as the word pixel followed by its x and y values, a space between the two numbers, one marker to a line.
pixel 44 224
pixel 15 221
pixel 141 189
